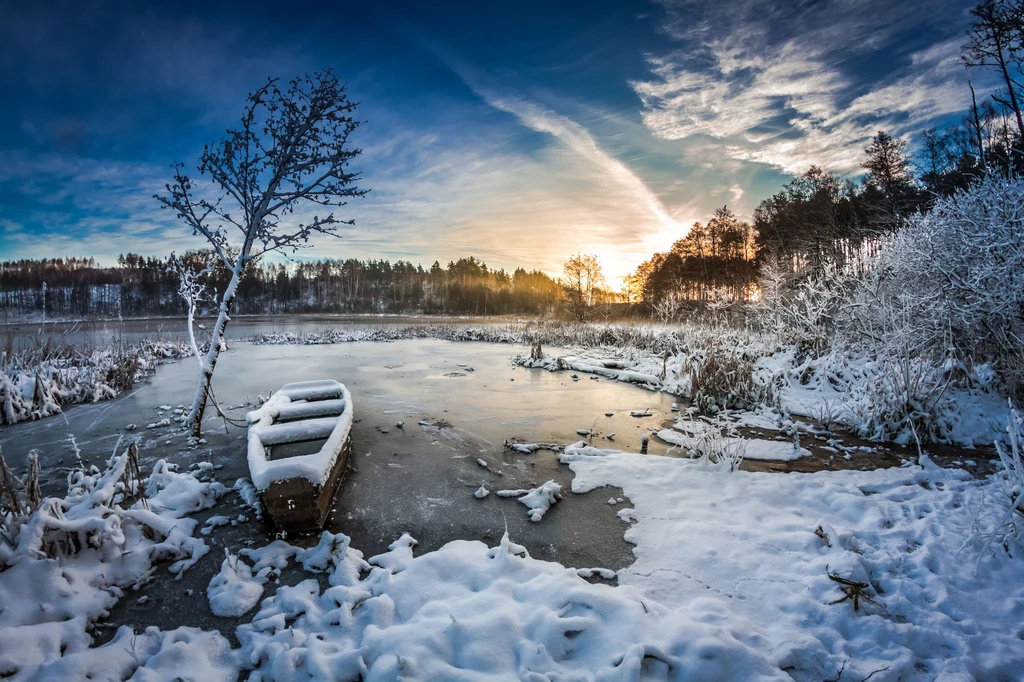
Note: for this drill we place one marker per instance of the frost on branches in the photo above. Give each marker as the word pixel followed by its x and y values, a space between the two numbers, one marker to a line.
pixel 958 276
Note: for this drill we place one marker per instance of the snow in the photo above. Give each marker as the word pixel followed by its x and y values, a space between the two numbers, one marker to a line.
pixel 603 573
pixel 530 448
pixel 518 492
pixel 481 492
pixel 315 467
pixel 72 558
pixel 234 591
pixel 744 545
pixel 249 495
pixel 467 611
pixel 731 582
pixel 539 499
pixel 751 448
pixel 214 522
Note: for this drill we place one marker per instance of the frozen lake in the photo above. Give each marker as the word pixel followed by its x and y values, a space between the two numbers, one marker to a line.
pixel 416 479
pixel 102 332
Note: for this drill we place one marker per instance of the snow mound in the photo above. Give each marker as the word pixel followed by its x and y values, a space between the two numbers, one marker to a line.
pixel 65 563
pixel 233 591
pixel 467 611
pixel 748 547
pixel 751 448
pixel 539 500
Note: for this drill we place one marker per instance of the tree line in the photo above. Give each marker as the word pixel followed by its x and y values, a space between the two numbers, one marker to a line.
pixel 139 286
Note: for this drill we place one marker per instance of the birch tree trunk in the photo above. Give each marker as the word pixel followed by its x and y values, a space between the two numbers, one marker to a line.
pixel 195 414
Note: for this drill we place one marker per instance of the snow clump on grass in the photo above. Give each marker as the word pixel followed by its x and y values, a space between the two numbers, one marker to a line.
pixel 65 562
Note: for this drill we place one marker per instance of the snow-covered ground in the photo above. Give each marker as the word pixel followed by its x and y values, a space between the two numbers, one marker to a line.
pixel 756 550
pixel 731 582
pixel 888 574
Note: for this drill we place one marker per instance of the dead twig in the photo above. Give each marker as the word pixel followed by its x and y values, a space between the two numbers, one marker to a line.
pixel 852 590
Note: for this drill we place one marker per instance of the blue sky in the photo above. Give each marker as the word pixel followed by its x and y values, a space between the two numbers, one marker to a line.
pixel 519 133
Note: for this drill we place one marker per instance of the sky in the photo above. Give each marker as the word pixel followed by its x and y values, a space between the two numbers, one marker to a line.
pixel 519 133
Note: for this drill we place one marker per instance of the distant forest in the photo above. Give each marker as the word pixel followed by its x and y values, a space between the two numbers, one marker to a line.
pixel 139 286
pixel 820 219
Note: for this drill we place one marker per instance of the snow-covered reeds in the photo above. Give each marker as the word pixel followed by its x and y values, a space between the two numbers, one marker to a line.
pixel 711 444
pixel 674 339
pixel 115 516
pixel 1011 478
pixel 36 382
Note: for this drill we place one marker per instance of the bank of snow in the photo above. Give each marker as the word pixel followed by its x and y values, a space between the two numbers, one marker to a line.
pixel 744 546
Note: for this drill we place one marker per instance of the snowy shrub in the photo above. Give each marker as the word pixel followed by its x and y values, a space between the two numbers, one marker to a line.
pixel 806 315
pixel 903 401
pixel 723 379
pixel 954 279
pixel 712 445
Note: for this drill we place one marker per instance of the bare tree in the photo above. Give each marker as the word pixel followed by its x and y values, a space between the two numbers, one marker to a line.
pixel 583 279
pixel 668 308
pixel 193 292
pixel 292 149
pixel 992 42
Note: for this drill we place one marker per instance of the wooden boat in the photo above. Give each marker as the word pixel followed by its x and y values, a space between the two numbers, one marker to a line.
pixel 298 489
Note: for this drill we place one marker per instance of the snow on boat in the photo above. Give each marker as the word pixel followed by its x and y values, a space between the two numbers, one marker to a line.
pixel 297 489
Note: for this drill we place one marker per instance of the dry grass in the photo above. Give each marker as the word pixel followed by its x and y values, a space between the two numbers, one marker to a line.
pixel 722 379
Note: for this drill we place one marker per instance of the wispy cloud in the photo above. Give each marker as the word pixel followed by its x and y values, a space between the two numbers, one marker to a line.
pixel 798 86
pixel 457 193
pixel 576 196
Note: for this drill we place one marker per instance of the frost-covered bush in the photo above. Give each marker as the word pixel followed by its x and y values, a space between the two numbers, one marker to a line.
pixel 952 281
pixel 712 445
pixel 903 400
pixel 806 314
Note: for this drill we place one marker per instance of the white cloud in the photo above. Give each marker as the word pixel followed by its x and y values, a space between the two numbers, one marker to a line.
pixel 789 90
